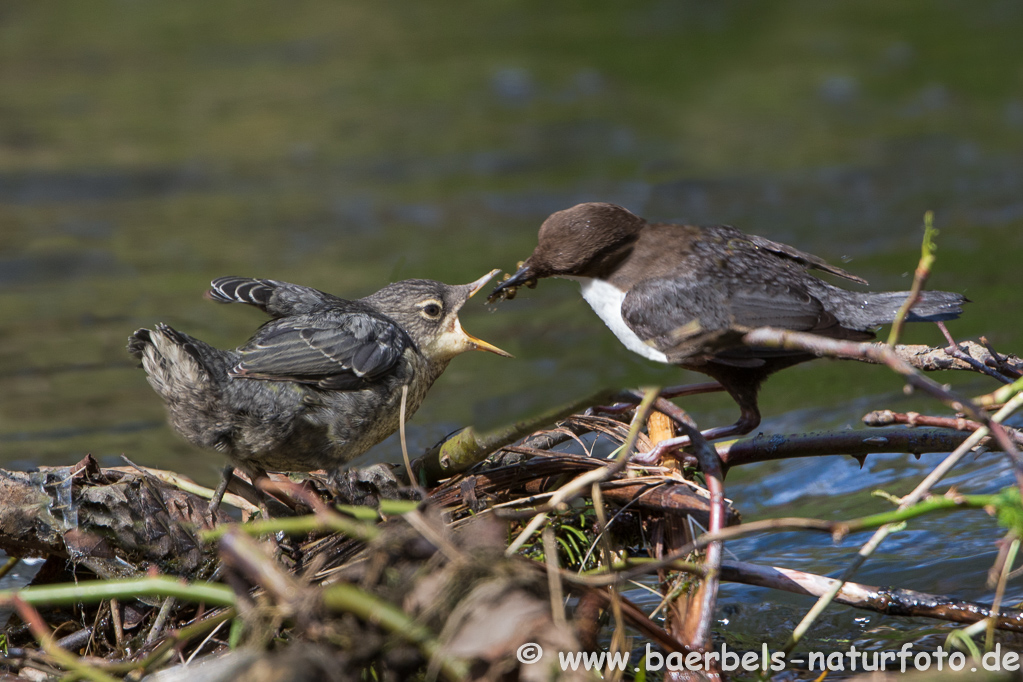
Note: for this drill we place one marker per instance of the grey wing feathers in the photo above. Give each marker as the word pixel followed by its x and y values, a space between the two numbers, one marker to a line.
pixel 339 350
pixel 277 299
pixel 682 317
pixel 802 257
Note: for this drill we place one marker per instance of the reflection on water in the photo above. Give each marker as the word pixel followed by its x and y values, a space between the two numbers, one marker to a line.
pixel 346 147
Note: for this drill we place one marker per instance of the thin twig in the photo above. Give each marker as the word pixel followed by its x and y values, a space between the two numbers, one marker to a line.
pixel 298 525
pixel 9 565
pixel 401 436
pixel 1003 577
pixel 856 444
pixel 838 530
pixel 206 639
pixel 99 590
pixel 557 592
pixel 953 350
pixel 161 618
pixel 115 616
pixel 350 599
pixel 998 360
pixel 618 513
pixel 923 271
pixel 443 544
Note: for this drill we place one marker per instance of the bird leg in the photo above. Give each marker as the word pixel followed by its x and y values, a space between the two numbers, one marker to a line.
pixel 667 392
pixel 218 495
pixel 251 492
pixel 749 419
pixel 670 392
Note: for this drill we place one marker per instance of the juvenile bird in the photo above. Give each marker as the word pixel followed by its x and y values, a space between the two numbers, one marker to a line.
pixel 685 295
pixel 317 385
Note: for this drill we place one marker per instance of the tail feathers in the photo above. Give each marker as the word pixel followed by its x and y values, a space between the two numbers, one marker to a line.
pixel 938 306
pixel 189 375
pixel 165 341
pixel 932 306
pixel 176 364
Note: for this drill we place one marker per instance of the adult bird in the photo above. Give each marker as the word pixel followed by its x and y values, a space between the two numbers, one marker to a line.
pixel 317 385
pixel 685 295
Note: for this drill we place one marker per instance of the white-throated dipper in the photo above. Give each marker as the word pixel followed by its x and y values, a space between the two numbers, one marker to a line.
pixel 685 295
pixel 317 385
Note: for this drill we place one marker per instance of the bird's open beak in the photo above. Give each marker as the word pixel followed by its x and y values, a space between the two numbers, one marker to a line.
pixel 480 344
pixel 506 290
pixel 481 282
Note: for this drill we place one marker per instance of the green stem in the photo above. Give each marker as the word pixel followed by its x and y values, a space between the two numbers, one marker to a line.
pixel 298 525
pixel 932 504
pixel 923 271
pixel 467 448
pixel 98 590
pixel 385 508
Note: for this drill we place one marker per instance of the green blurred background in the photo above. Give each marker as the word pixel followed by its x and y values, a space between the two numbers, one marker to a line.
pixel 147 147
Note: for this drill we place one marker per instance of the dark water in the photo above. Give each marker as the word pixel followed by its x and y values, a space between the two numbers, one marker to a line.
pixel 147 149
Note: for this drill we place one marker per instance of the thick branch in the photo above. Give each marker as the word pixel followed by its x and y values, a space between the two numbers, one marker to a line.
pixel 930 359
pixel 857 444
pixel 892 602
pixel 460 452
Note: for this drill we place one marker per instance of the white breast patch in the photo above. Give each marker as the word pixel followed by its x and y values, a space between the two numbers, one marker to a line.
pixel 606 300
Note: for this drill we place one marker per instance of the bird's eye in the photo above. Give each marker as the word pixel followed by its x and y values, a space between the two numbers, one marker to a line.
pixel 431 310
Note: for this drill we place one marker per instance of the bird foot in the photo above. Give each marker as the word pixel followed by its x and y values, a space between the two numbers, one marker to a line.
pixel 665 448
pixel 671 447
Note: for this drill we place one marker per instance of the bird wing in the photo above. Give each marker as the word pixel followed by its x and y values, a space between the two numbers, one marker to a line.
pixel 341 350
pixel 802 257
pixel 277 299
pixel 685 316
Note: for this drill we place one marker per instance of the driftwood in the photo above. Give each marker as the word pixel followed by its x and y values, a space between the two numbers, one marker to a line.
pixel 116 523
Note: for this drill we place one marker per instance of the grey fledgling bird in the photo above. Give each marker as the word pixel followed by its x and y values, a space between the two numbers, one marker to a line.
pixel 317 385
pixel 685 295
